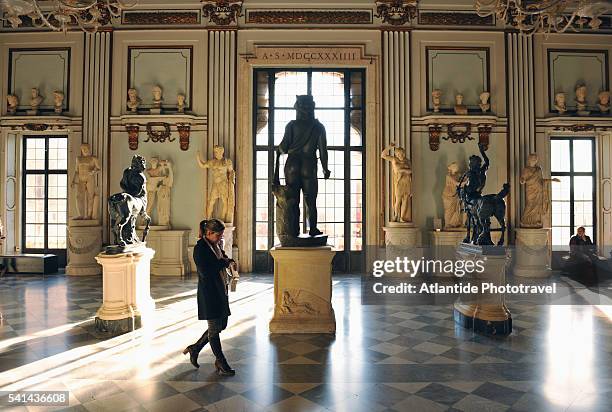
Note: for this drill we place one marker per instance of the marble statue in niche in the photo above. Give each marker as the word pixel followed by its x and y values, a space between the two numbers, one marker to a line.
pixel 222 185
pixel 12 103
pixel 484 101
pixel 125 207
pixel 460 108
pixel 537 193
pixel 133 101
pixel 58 101
pixel 35 101
pixel 454 217
pixel 436 95
pixel 560 103
pixel 180 103
pixel 160 179
pixel 84 184
pixel 402 183
pixel 604 101
pixel 581 103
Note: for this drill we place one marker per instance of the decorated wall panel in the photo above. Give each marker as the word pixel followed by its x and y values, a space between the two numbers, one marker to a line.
pixel 170 68
pixel 46 69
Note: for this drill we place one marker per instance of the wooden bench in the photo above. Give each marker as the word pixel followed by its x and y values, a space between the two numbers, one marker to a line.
pixel 30 263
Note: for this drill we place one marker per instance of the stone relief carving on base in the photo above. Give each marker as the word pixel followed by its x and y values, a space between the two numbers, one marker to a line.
pixel 299 301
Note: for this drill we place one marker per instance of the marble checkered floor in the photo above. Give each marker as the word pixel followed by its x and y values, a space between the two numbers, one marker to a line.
pixel 383 358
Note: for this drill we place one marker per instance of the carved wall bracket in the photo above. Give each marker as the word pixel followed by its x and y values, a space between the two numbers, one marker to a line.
pixel 184 131
pixel 397 12
pixel 132 130
pixel 459 132
pixel 159 136
pixel 222 13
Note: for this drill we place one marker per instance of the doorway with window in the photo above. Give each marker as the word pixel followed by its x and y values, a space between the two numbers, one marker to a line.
pixel 44 195
pixel 339 95
pixel 573 198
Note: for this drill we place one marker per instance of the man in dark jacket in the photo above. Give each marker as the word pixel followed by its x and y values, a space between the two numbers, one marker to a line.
pixel 213 303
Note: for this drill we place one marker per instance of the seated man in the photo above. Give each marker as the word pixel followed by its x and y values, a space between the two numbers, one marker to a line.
pixel 582 258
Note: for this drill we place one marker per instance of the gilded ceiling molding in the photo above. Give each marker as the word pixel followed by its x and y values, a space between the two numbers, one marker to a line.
pixel 397 12
pixel 322 16
pixel 222 12
pixel 160 17
pixel 454 19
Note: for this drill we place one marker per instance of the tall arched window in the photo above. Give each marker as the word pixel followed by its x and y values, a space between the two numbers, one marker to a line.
pixel 338 95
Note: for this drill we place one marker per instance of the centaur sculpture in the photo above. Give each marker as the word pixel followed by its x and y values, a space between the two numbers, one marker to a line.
pixel 125 207
pixel 481 208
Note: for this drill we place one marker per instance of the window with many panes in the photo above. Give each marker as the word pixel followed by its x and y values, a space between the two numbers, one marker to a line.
pixel 338 95
pixel 572 161
pixel 45 192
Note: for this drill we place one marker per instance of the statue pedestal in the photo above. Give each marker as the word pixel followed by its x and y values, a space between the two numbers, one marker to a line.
pixel 532 258
pixel 126 292
pixel 171 252
pixel 444 245
pixel 302 290
pixel 484 312
pixel 84 243
pixel 401 234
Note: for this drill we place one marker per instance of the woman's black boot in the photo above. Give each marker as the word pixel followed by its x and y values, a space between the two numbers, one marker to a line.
pixel 223 368
pixel 194 350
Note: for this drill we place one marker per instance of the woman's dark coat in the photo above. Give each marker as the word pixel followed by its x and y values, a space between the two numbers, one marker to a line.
pixel 212 297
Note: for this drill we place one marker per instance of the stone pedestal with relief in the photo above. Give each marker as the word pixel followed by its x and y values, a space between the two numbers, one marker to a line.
pixel 126 291
pixel 84 244
pixel 303 290
pixel 533 253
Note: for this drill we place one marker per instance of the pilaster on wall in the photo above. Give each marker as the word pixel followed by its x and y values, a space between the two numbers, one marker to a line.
pixel 221 90
pixel 396 99
pixel 96 115
pixel 521 121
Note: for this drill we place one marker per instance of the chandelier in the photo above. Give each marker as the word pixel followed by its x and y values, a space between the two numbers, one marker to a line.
pixel 60 15
pixel 547 16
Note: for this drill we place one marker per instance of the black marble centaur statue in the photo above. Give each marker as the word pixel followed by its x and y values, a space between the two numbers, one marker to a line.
pixel 303 137
pixel 125 207
pixel 481 208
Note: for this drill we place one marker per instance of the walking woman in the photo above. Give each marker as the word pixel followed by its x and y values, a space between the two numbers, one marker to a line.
pixel 213 303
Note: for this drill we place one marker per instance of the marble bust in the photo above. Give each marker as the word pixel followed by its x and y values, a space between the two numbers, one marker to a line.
pixel 560 104
pixel 13 102
pixel 36 100
pixel 436 94
pixel 460 108
pixel 604 101
pixel 180 103
pixel 581 95
pixel 402 183
pixel 537 193
pixel 133 100
pixel 484 101
pixel 58 101
pixel 157 97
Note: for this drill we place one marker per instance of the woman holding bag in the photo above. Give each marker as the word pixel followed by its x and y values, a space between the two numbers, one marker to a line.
pixel 213 304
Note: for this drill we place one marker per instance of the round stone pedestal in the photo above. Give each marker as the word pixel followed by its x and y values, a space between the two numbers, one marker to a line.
pixel 84 243
pixel 126 292
pixel 485 313
pixel 532 256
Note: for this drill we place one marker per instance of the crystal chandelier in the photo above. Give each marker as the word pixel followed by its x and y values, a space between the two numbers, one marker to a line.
pixel 546 16
pixel 60 15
